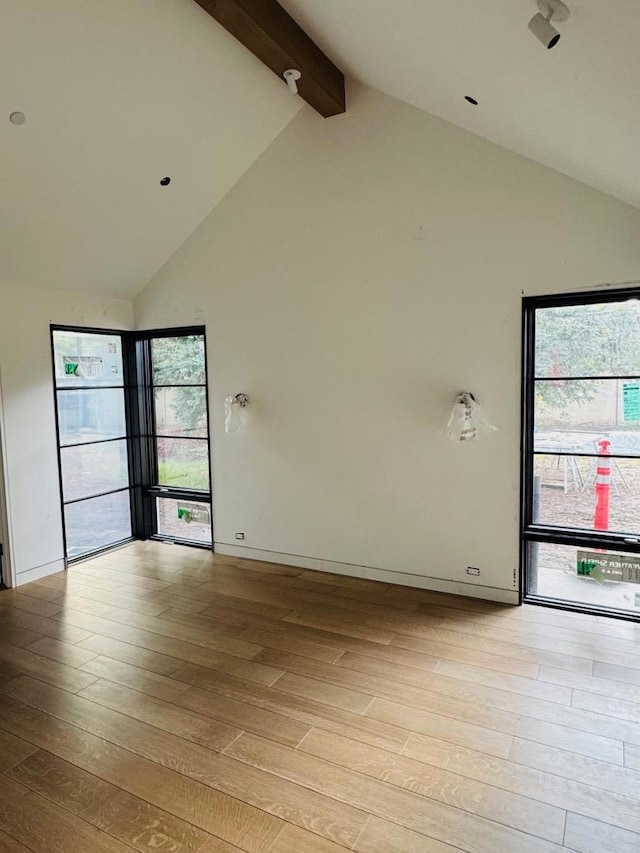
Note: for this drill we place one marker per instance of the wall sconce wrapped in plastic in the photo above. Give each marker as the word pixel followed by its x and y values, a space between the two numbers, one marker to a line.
pixel 467 421
pixel 234 412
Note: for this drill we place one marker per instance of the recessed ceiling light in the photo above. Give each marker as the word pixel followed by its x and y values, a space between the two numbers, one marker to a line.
pixel 471 100
pixel 165 182
pixel 17 118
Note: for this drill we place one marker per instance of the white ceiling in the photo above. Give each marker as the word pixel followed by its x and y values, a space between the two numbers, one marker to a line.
pixel 119 94
pixel 575 108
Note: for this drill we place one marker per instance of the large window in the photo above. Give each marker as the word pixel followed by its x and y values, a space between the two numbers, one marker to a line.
pixel 133 437
pixel 92 439
pixel 179 436
pixel 581 499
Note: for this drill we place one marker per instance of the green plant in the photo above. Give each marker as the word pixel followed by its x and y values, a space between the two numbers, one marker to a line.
pixel 582 341
pixel 177 361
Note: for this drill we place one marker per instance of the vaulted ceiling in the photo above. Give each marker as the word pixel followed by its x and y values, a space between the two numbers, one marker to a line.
pixel 575 108
pixel 119 94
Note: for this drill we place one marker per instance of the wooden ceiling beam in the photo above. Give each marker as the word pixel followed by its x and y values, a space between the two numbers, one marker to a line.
pixel 276 39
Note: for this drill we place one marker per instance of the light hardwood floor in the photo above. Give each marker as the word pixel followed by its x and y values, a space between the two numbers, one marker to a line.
pixel 163 699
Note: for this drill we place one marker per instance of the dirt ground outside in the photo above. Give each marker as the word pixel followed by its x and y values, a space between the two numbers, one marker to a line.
pixel 576 506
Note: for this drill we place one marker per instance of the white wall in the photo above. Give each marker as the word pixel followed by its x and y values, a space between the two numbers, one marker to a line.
pixel 28 416
pixel 365 270
pixel 4 517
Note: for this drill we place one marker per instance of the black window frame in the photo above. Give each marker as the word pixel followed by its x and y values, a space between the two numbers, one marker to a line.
pixel 151 490
pixel 126 388
pixel 531 532
pixel 140 437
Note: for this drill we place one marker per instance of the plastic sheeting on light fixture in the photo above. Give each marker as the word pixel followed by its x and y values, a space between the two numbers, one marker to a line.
pixel 234 406
pixel 467 421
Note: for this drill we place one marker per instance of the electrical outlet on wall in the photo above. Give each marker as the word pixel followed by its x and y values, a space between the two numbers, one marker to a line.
pixel 239 535
pixel 473 570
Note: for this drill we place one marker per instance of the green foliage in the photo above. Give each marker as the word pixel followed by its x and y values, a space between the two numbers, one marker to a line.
pixel 581 341
pixel 177 361
pixel 188 473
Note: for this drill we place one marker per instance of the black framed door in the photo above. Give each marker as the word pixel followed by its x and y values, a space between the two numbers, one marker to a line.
pixel 581 452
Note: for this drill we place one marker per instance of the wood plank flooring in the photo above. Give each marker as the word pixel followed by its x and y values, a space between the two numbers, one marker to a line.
pixel 161 698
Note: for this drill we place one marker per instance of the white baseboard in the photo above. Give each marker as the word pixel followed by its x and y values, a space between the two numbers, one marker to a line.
pixel 39 572
pixel 472 590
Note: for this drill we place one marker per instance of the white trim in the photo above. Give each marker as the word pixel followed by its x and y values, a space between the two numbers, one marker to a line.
pixel 505 596
pixel 6 529
pixel 40 572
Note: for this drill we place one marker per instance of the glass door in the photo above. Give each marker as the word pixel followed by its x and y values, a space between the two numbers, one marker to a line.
pixel 581 484
pixel 92 440
pixel 180 489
